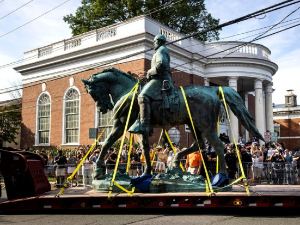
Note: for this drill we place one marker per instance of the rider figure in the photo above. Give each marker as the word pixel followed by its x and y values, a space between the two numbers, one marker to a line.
pixel 158 74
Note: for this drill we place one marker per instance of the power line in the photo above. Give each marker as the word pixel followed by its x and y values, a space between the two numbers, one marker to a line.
pixel 258 37
pixel 62 76
pixel 92 36
pixel 249 16
pixel 97 65
pixel 34 19
pixel 15 9
pixel 173 68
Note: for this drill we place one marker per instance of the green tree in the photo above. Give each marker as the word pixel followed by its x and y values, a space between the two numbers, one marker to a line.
pixel 185 16
pixel 10 123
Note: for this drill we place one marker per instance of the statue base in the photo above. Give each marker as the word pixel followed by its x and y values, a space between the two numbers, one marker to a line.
pixel 174 180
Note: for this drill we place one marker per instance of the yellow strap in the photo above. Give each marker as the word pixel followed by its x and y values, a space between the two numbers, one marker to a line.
pixel 69 179
pixel 237 150
pixel 217 166
pixel 153 157
pixel 206 187
pixel 122 142
pixel 129 152
pixel 232 183
pixel 188 109
pixel 218 128
pixel 169 140
pixel 125 190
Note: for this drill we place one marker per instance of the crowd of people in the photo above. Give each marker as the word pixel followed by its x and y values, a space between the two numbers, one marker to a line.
pixel 271 163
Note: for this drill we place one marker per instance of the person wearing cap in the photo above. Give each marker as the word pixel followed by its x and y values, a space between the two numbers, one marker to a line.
pixel 94 157
pixel 159 75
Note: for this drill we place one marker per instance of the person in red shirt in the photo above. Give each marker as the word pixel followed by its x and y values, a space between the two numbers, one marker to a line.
pixel 194 163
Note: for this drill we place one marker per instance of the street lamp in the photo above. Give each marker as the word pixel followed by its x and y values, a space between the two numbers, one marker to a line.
pixel 174 135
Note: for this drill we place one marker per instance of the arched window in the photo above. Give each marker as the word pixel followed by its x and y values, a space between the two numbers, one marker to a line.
pixel 71 112
pixel 103 123
pixel 43 120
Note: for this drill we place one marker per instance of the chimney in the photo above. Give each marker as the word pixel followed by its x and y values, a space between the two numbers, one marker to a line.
pixel 290 99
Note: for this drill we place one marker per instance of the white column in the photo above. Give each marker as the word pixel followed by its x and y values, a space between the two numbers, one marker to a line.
pixel 206 82
pixel 264 112
pixel 269 107
pixel 259 107
pixel 233 119
pixel 246 105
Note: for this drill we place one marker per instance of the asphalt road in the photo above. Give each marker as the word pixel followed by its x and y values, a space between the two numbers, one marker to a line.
pixel 140 218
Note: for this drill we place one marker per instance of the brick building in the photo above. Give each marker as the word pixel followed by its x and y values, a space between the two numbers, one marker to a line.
pixel 58 112
pixel 287 121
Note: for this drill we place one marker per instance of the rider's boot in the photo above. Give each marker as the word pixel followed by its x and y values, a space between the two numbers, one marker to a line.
pixel 142 124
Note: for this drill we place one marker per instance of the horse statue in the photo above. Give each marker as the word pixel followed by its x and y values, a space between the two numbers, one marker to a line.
pixel 204 103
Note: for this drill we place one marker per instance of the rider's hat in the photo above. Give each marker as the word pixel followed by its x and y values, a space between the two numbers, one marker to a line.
pixel 161 37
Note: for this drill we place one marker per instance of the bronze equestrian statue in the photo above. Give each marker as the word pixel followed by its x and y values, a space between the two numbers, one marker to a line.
pixel 159 74
pixel 204 104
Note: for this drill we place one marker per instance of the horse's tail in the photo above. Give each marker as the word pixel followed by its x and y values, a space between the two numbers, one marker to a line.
pixel 236 104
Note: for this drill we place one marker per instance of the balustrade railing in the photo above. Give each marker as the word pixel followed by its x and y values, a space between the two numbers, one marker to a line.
pixel 72 43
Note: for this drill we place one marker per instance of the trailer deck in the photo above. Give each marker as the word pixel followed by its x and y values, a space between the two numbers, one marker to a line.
pixel 86 199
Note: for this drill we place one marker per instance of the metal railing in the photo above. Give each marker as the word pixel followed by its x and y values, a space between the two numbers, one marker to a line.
pixel 279 173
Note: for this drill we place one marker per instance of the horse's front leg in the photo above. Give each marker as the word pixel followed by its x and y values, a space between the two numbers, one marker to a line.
pixel 115 134
pixel 144 142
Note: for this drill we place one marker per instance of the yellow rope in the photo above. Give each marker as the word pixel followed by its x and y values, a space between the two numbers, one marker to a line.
pixel 237 150
pixel 204 164
pixel 120 150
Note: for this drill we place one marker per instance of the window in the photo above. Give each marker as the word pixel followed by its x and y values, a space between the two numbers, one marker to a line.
pixel 71 116
pixel 289 99
pixel 104 123
pixel 43 120
pixel 276 130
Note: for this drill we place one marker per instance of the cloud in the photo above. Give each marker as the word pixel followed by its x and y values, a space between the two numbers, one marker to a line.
pixel 43 31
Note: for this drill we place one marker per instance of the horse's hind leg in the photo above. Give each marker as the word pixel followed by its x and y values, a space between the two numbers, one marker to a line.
pixel 218 145
pixel 194 147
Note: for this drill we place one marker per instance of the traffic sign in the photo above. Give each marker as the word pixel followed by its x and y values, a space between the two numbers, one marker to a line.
pixel 187 129
pixel 92 133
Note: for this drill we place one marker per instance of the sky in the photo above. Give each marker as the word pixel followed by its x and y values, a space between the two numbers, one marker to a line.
pixel 49 28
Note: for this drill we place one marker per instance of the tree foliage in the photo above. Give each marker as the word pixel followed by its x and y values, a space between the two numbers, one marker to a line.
pixel 185 16
pixel 10 123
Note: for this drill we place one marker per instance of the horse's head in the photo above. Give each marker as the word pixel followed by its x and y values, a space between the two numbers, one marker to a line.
pixel 108 84
pixel 100 93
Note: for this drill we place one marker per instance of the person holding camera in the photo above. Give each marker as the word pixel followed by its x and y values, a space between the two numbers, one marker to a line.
pixel 277 160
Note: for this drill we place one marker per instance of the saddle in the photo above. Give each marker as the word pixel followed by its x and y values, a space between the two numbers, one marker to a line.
pixel 171 99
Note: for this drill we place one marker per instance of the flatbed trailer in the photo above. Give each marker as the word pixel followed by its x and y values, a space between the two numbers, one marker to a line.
pixel 78 198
